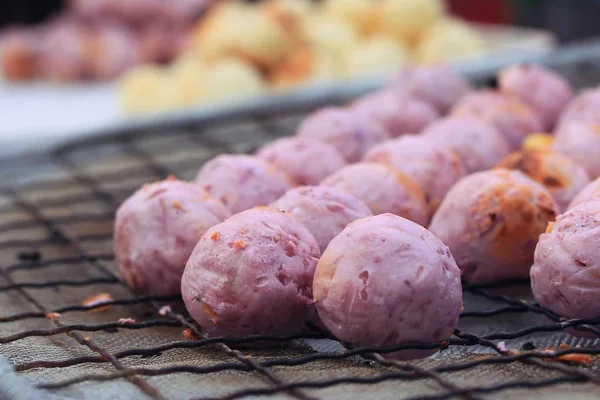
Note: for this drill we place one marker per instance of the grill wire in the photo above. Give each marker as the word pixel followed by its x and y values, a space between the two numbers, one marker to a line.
pixel 55 247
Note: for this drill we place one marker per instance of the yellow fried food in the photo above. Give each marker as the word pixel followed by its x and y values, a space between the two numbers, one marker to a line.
pixel 375 54
pixel 294 16
pixel 538 141
pixel 140 88
pixel 449 40
pixel 188 74
pixel 231 78
pixel 407 19
pixel 303 66
pixel 333 37
pixel 245 31
pixel 359 14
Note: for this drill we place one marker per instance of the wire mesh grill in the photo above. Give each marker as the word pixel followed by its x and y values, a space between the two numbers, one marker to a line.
pixel 55 250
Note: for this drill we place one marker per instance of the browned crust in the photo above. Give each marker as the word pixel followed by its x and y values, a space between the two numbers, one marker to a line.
pixel 542 166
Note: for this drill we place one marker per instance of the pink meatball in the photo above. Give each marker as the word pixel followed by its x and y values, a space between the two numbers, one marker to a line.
pixel 386 281
pixel 64 50
pixel 478 144
pixel 141 12
pixel 349 132
pixel 433 167
pixel 115 52
pixel 242 182
pixel 508 114
pixel 581 142
pixel 544 90
pixel 325 211
pixel 156 44
pixel 96 9
pixel 564 275
pixel 306 161
pixel 19 54
pixel 590 192
pixel 584 107
pixel 185 12
pixel 491 221
pixel 252 274
pixel 398 115
pixel 156 230
pixel 436 85
pixel 563 177
pixel 383 188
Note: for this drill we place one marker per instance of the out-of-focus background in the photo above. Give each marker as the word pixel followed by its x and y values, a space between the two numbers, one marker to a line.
pixel 80 65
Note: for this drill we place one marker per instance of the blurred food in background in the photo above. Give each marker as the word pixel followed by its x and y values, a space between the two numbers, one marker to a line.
pixel 449 39
pixel 287 41
pixel 278 44
pixel 167 55
pixel 98 39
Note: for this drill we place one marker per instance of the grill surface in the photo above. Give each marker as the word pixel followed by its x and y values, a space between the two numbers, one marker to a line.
pixel 56 215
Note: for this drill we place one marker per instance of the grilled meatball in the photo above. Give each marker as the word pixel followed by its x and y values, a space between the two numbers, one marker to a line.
pixel 325 211
pixel 156 230
pixel 385 281
pixel 19 54
pixel 64 51
pixel 115 52
pixel 581 142
pixel 351 133
pixel 437 85
pixel 433 167
pixel 507 113
pixel 559 174
pixel 491 221
pixel 242 182
pixel 383 188
pixel 306 161
pixel 478 144
pixel 585 107
pixel 91 10
pixel 159 43
pixel 252 274
pixel 544 90
pixel 590 192
pixel 398 115
pixel 564 275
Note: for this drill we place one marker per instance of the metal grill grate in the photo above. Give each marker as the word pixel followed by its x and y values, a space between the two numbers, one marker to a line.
pixel 55 250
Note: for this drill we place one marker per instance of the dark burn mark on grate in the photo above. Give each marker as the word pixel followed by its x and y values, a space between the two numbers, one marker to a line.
pixel 32 255
pixel 492 83
pixel 528 346
pixel 147 169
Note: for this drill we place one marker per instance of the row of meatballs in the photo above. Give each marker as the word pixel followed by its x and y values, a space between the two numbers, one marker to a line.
pixel 329 226
pixel 98 39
